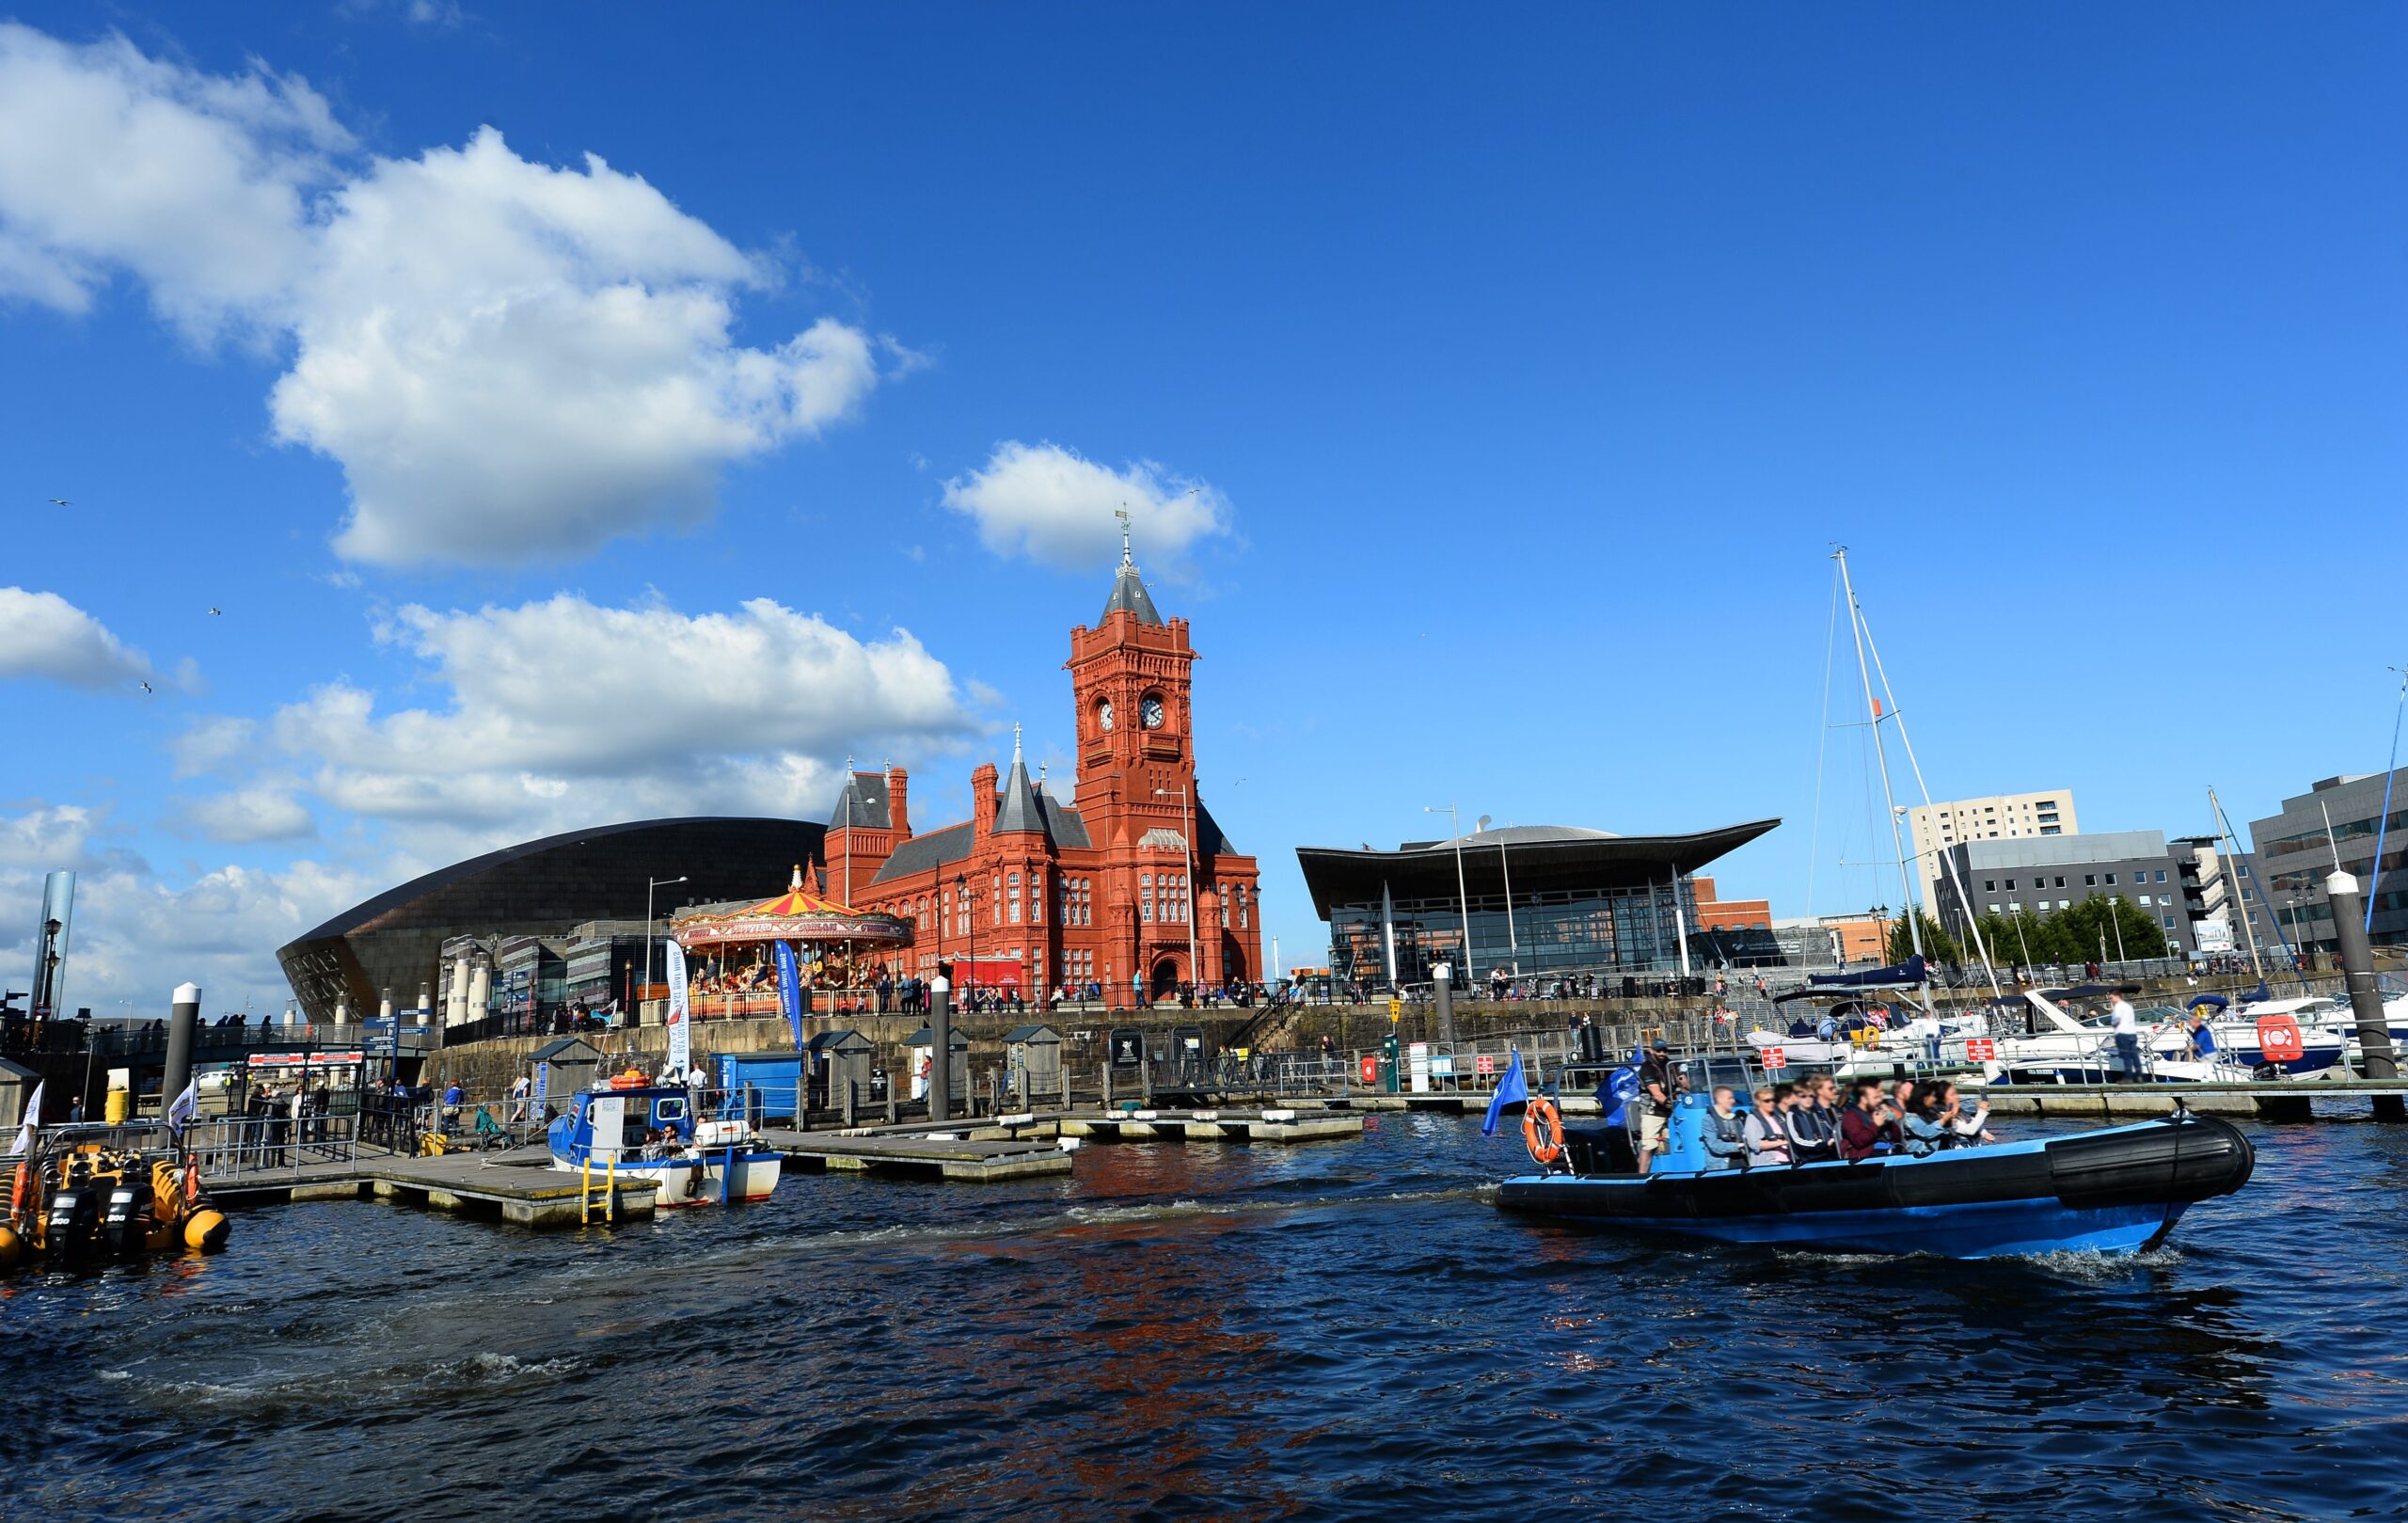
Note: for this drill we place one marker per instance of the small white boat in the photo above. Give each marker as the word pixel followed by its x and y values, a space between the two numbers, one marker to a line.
pixel 651 1133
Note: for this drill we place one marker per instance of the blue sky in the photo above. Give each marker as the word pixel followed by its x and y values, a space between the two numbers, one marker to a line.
pixel 1524 372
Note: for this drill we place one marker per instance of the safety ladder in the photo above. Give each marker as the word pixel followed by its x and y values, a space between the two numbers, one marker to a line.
pixel 603 1197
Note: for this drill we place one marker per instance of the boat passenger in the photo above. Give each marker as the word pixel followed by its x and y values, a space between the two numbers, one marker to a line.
pixel 2198 1042
pixel 1724 1135
pixel 1869 1126
pixel 2125 1024
pixel 1967 1127
pixel 1925 1127
pixel 1902 1097
pixel 1768 1132
pixel 1813 1126
pixel 1656 1101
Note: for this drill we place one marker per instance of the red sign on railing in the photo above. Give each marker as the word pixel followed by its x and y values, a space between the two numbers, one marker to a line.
pixel 1776 1058
pixel 1487 1064
pixel 1981 1050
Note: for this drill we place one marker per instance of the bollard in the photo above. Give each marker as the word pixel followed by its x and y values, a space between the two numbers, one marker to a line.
pixel 941 1050
pixel 183 1017
pixel 1444 989
pixel 2365 1002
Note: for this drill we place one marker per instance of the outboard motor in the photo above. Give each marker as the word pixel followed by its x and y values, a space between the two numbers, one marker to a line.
pixel 125 1217
pixel 75 1220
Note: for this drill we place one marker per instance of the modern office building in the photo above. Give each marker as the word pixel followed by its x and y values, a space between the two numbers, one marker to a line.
pixel 1579 901
pixel 2296 852
pixel 2004 817
pixel 2035 876
pixel 540 889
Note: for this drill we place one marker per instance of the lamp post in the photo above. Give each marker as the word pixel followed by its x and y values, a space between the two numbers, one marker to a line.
pixel 650 883
pixel 1187 837
pixel 1463 894
pixel 1513 938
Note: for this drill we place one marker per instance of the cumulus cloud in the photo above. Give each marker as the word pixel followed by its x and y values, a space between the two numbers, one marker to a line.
pixel 266 810
pixel 1056 507
pixel 511 361
pixel 564 713
pixel 137 937
pixel 43 635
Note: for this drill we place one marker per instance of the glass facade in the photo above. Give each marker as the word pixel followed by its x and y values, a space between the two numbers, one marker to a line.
pixel 1604 930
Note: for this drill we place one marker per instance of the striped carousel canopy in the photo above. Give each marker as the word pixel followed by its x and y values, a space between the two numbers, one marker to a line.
pixel 797 915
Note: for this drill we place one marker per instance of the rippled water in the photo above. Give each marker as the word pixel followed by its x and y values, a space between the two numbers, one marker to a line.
pixel 1342 1330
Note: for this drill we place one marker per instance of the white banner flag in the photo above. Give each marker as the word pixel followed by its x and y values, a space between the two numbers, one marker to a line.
pixel 25 1144
pixel 680 1050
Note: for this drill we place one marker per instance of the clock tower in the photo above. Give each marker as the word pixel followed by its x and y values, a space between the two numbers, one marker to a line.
pixel 1131 682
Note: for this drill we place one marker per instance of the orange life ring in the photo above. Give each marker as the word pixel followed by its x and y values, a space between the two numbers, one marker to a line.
pixel 192 1180
pixel 1542 1111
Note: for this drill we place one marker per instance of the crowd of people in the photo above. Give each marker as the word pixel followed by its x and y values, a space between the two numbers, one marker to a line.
pixel 1804 1122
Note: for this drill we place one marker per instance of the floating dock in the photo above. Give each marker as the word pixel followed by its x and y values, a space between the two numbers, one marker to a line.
pixel 960 1154
pixel 1276 1125
pixel 522 1191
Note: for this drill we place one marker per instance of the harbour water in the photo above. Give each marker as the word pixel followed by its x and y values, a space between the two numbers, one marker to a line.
pixel 1346 1330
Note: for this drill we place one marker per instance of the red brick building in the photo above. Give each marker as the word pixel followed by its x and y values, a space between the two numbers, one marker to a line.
pixel 1717 913
pixel 1132 885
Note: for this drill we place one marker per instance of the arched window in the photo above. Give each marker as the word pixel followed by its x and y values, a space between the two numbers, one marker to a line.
pixel 1145 895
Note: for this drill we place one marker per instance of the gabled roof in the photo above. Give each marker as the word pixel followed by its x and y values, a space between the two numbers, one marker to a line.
pixel 1063 823
pixel 923 852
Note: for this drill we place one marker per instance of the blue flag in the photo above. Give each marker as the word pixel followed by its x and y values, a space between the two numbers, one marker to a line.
pixel 791 991
pixel 1512 1089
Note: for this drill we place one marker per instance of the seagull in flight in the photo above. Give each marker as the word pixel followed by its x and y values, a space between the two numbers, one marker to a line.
pixel 145 687
pixel 216 611
pixel 60 502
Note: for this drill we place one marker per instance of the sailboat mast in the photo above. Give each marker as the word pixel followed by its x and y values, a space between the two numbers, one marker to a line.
pixel 2232 886
pixel 1873 708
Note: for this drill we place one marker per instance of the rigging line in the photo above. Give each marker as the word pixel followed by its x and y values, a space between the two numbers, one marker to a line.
pixel 1897 717
pixel 2383 821
pixel 1822 744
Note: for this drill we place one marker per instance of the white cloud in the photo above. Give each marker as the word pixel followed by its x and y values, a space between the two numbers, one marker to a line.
pixel 563 713
pixel 196 183
pixel 43 635
pixel 50 839
pixel 1056 506
pixel 510 361
pixel 135 938
pixel 263 811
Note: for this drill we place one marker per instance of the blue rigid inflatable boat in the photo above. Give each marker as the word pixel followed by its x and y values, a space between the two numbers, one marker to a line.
pixel 2116 1190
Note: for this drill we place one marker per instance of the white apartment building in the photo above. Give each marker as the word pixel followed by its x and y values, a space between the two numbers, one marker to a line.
pixel 2000 817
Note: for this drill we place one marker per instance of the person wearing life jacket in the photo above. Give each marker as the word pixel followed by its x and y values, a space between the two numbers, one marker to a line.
pixel 1768 1135
pixel 1813 1126
pixel 1722 1133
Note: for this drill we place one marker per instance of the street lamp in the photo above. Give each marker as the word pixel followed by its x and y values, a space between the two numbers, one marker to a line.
pixel 1513 939
pixel 1463 894
pixel 1187 837
pixel 650 883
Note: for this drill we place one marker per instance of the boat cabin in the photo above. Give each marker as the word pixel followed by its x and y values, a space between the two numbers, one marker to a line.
pixel 608 1123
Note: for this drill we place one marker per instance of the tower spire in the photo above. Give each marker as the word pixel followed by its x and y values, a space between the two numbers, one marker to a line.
pixel 1126 558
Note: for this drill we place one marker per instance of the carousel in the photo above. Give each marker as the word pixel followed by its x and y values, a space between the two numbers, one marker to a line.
pixel 732 960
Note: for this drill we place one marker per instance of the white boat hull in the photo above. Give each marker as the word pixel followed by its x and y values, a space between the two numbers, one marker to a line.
pixel 695 1181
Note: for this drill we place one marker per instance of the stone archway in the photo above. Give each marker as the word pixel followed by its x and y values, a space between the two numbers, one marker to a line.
pixel 1166 977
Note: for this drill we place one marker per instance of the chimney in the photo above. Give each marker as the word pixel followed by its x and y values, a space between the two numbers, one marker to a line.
pixel 898 788
pixel 983 799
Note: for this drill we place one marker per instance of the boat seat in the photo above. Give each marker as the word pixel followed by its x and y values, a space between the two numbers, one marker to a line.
pixel 1599 1150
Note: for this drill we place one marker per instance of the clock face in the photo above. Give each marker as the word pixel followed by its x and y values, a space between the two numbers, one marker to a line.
pixel 1104 713
pixel 1151 713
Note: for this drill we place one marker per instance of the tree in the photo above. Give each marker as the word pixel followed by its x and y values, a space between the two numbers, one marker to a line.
pixel 2084 927
pixel 1939 947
